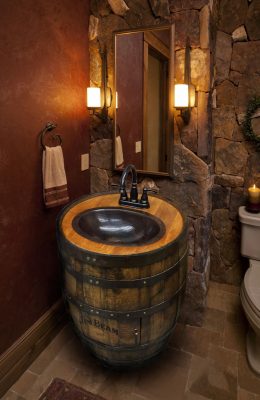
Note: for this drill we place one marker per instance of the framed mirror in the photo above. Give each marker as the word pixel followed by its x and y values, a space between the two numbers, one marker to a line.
pixel 143 93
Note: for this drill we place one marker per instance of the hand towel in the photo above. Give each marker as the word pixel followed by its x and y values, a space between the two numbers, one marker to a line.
pixel 119 153
pixel 55 191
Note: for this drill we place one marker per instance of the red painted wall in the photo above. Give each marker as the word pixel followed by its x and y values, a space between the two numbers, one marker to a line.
pixel 44 72
pixel 129 115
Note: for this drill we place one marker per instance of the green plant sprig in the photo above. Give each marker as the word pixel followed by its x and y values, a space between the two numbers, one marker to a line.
pixel 253 105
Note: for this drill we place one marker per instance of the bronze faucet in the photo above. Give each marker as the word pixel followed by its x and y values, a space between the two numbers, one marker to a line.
pixel 133 199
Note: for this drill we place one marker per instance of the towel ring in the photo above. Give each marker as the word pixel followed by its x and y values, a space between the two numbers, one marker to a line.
pixel 49 127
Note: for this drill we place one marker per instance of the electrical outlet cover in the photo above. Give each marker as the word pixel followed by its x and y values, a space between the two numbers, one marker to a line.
pixel 138 147
pixel 84 162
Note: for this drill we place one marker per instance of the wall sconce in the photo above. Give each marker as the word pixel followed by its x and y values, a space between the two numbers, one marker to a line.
pixel 100 98
pixel 184 93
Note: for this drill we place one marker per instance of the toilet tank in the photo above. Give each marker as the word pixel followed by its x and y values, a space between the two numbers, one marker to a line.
pixel 250 234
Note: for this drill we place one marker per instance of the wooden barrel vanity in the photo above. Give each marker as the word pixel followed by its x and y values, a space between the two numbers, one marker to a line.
pixel 124 298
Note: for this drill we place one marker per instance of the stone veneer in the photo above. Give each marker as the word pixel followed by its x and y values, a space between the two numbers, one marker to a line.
pixel 193 167
pixel 237 164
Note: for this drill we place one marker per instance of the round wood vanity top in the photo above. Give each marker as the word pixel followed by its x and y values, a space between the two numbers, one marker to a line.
pixel 162 209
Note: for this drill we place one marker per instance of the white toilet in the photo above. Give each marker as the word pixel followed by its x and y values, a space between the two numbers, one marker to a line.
pixel 250 289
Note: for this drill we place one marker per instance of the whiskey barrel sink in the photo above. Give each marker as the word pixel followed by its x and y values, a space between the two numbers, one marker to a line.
pixel 124 274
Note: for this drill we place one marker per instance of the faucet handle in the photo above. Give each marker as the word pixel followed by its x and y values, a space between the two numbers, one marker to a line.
pixel 144 199
pixel 123 194
pixel 122 191
pixel 146 190
pixel 115 185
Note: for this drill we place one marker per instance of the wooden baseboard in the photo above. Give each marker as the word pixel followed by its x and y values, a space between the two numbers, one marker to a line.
pixel 24 351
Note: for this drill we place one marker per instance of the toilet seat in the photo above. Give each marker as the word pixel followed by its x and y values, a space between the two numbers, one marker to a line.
pixel 251 312
pixel 251 286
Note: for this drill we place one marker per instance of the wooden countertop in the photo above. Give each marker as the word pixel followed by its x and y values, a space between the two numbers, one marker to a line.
pixel 162 209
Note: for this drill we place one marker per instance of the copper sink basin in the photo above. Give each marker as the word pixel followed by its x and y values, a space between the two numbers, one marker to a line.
pixel 119 226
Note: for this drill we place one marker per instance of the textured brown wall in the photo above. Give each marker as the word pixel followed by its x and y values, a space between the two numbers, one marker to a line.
pixel 44 73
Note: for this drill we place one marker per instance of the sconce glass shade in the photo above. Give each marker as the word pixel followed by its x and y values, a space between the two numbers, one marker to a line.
pixel 93 97
pixel 184 95
pixel 181 95
pixel 116 100
pixel 192 95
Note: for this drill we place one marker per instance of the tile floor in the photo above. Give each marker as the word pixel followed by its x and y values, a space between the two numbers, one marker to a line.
pixel 199 364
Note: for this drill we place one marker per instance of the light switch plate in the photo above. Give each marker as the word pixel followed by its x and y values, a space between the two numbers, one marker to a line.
pixel 138 147
pixel 84 162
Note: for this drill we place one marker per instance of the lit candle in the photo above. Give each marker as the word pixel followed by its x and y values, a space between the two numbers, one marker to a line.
pixel 254 195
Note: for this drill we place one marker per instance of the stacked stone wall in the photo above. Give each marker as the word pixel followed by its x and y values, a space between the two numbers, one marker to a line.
pixel 236 161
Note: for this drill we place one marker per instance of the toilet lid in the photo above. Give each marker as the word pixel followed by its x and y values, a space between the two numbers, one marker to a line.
pixel 252 284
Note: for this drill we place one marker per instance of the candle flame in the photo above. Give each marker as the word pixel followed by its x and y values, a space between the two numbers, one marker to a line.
pixel 254 186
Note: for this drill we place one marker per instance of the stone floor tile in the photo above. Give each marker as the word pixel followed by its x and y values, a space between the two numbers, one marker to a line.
pixel 12 396
pixel 56 369
pixel 215 300
pixel 247 379
pixel 176 337
pixel 222 300
pixel 208 379
pixel 181 358
pixel 244 395
pixel 75 353
pixel 91 375
pixel 137 397
pixel 164 377
pixel 195 340
pixel 64 336
pixel 161 386
pixel 194 396
pixel 119 385
pixel 39 386
pixel 224 358
pixel 63 369
pixel 214 320
pixel 235 332
pixel 224 287
pixel 49 370
pixel 51 351
pixel 24 383
pixel 42 361
pixel 233 303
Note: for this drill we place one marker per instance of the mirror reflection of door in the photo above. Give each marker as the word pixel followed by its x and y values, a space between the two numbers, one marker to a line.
pixel 155 115
pixel 142 62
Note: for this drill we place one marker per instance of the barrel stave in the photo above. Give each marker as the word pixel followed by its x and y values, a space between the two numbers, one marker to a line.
pixel 123 270
pixel 127 347
pixel 126 299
